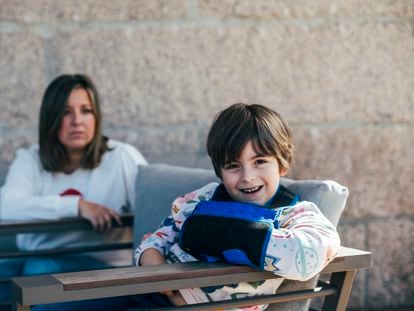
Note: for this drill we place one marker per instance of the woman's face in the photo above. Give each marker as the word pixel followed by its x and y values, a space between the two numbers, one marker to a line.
pixel 77 128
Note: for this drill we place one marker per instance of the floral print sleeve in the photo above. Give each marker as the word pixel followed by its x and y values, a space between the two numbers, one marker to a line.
pixel 304 243
pixel 167 235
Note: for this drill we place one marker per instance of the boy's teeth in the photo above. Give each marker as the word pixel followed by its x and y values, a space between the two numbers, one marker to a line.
pixel 251 189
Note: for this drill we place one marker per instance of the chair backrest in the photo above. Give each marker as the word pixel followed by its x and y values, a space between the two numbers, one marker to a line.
pixel 157 185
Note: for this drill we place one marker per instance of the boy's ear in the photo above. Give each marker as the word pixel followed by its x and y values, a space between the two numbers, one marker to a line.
pixel 282 171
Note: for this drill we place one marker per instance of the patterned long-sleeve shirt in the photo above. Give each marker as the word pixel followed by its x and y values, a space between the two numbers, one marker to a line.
pixel 303 244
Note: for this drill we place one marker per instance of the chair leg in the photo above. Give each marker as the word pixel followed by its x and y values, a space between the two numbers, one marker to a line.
pixel 343 281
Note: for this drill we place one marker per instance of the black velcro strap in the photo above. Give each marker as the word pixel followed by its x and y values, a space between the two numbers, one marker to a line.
pixel 240 240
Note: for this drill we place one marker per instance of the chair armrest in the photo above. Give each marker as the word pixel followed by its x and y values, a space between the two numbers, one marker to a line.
pixel 56 225
pixel 60 225
pixel 146 279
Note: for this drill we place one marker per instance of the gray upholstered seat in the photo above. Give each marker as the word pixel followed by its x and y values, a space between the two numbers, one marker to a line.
pixel 158 185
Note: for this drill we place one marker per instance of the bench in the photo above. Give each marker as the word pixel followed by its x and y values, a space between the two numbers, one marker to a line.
pixel 11 229
pixel 156 186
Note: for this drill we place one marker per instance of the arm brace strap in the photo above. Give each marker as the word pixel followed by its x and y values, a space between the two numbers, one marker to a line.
pixel 232 231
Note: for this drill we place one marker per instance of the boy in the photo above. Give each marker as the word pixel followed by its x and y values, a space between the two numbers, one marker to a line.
pixel 250 147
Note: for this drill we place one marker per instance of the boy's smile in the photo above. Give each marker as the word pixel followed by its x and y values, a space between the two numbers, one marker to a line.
pixel 253 177
pixel 251 190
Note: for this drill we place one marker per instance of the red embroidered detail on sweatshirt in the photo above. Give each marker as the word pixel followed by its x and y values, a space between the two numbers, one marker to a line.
pixel 71 191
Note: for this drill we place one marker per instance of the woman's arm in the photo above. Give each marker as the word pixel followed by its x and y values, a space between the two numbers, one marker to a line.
pixel 20 195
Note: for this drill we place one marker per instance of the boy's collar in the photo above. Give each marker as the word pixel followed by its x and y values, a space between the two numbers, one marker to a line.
pixel 283 197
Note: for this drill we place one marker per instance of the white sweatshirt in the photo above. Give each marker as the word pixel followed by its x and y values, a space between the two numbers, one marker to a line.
pixel 30 192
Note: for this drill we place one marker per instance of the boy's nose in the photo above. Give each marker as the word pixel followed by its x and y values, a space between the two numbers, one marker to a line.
pixel 248 174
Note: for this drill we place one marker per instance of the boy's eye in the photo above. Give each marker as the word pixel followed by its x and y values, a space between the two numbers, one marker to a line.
pixel 231 166
pixel 260 161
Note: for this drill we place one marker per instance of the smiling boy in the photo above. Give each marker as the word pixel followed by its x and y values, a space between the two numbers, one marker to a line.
pixel 250 147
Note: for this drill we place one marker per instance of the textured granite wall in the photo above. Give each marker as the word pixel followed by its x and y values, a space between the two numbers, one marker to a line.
pixel 341 72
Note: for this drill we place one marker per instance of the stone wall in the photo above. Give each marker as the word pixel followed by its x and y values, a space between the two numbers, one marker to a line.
pixel 341 73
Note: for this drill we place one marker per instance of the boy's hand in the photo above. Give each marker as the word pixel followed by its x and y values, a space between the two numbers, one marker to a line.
pixel 152 256
pixel 175 297
pixel 100 216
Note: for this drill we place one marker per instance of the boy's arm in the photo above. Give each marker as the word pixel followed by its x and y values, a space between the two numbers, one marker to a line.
pixel 151 256
pixel 159 241
pixel 167 234
pixel 303 245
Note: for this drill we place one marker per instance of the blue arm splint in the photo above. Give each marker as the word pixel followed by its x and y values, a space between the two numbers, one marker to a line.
pixel 232 231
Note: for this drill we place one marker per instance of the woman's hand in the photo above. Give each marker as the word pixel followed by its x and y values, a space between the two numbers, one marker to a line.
pixel 152 256
pixel 100 216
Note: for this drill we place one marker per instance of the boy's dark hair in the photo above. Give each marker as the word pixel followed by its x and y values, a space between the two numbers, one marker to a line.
pixel 53 154
pixel 240 123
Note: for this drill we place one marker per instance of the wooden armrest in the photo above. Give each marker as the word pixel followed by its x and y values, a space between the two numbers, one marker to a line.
pixel 146 279
pixel 58 225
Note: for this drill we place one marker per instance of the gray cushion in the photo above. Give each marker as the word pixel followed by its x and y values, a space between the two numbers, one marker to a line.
pixel 328 195
pixel 157 185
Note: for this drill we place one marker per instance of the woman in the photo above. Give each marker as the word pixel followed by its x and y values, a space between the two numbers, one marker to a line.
pixel 73 171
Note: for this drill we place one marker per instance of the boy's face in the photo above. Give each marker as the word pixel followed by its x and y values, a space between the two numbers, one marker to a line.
pixel 253 177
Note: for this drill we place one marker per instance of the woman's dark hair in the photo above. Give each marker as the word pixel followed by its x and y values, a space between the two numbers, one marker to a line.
pixel 240 123
pixel 53 154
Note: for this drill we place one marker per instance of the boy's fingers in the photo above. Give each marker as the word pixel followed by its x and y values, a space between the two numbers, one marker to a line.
pixel 168 293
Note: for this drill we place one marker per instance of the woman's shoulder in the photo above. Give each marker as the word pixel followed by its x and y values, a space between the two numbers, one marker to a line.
pixel 120 149
pixel 120 146
pixel 27 158
pixel 31 152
